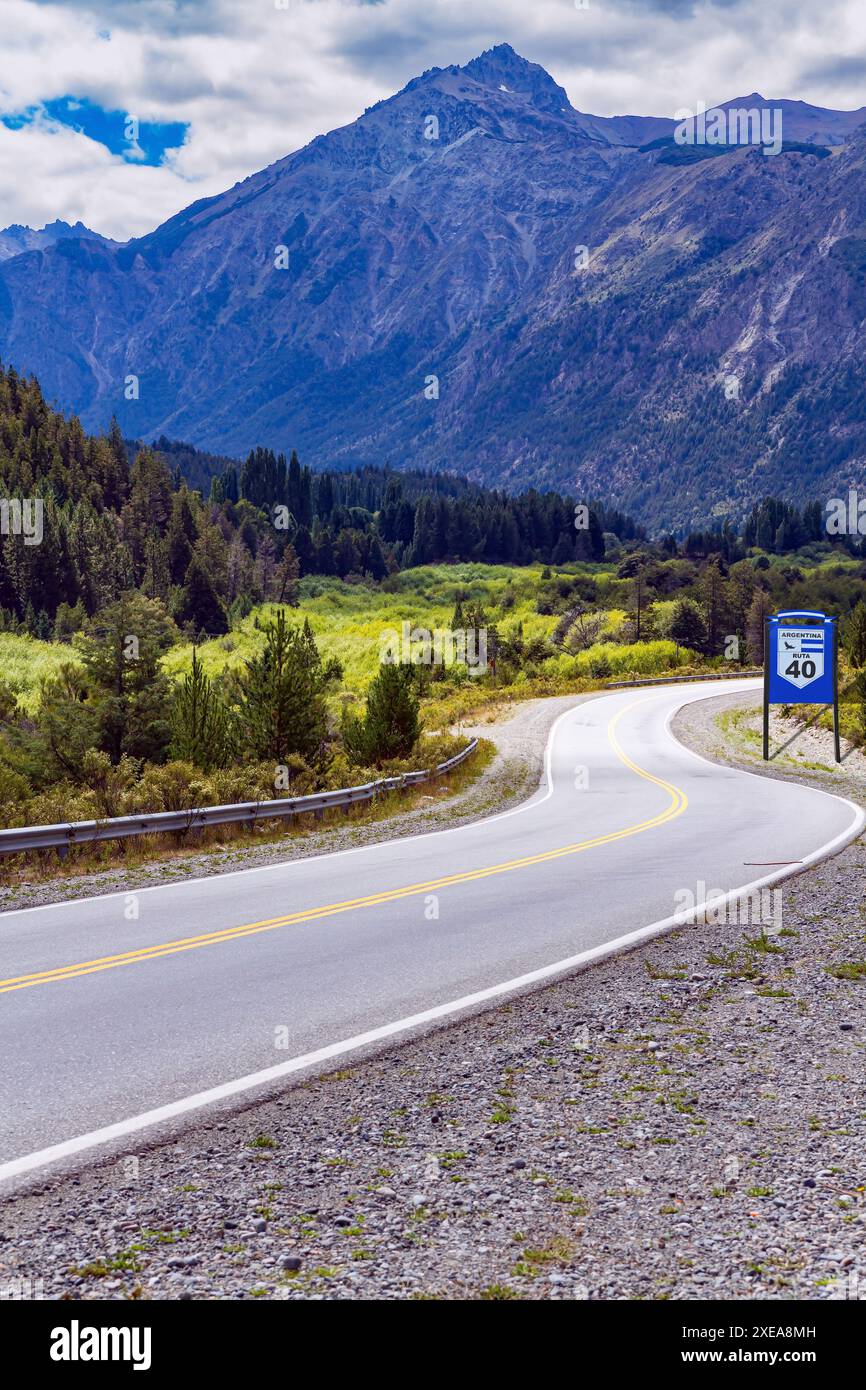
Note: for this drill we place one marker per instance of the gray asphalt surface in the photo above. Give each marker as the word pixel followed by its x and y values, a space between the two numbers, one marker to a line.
pixel 91 1041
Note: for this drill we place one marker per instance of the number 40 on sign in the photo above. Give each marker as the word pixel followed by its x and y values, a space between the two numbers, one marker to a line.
pixel 800 665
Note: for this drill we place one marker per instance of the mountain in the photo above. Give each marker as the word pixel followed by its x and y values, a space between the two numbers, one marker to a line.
pixel 15 239
pixel 707 353
pixel 800 122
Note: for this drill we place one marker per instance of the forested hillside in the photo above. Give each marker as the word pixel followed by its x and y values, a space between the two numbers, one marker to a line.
pixel 113 522
pixel 116 517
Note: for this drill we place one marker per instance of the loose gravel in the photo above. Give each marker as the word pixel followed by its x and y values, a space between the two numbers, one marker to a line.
pixel 729 729
pixel 686 1121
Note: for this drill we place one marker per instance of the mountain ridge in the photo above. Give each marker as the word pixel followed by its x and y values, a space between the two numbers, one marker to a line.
pixel 405 290
pixel 19 238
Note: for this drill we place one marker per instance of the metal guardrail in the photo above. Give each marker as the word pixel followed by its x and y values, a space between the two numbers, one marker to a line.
pixel 674 680
pixel 27 837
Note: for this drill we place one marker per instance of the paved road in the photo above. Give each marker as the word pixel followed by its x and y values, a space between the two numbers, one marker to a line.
pixel 117 1006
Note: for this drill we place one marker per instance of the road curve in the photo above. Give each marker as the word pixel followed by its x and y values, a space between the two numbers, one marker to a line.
pixel 121 1010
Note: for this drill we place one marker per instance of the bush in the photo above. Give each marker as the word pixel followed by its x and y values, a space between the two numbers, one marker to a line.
pixel 14 793
pixel 256 781
pixel 175 786
pixel 60 805
pixel 294 777
pixel 9 707
pixel 110 783
pixel 640 659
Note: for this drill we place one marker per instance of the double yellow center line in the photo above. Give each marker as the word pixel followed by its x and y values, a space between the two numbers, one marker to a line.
pixel 676 805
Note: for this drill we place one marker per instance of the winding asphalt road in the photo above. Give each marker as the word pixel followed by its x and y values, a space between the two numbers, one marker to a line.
pixel 110 1021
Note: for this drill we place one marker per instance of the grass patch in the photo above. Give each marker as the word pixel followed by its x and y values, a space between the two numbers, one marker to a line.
pixel 848 970
pixel 263 1141
pixel 559 1251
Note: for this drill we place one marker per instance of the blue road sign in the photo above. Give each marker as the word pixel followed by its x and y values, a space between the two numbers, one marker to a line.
pixel 801 659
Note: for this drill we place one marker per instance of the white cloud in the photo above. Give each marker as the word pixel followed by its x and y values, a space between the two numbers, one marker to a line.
pixel 255 82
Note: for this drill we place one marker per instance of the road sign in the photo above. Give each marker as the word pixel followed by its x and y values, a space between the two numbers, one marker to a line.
pixel 800 657
pixel 800 664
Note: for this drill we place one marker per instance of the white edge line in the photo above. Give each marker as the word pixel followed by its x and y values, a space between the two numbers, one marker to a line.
pixel 56 1152
pixel 529 805
pixel 763 776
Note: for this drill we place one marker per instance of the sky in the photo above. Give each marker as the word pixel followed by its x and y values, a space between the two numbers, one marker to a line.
pixel 121 112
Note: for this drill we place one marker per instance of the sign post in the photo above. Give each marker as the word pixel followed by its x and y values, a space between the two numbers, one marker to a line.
pixel 766 689
pixel 801 665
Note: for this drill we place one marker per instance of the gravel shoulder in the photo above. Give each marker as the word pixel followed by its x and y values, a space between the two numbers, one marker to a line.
pixel 729 730
pixel 686 1121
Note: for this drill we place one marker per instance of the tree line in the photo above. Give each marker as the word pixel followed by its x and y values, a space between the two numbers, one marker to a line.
pixel 117 518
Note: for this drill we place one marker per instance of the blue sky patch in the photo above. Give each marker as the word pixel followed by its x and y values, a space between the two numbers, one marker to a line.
pixel 136 141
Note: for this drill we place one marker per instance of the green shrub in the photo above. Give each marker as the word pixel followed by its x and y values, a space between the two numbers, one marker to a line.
pixel 14 794
pixel 175 786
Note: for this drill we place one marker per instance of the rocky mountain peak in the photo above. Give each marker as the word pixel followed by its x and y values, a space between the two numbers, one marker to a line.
pixel 501 68
pixel 18 238
pixel 584 292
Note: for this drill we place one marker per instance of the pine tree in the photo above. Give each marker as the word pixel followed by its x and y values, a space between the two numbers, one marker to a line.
pixel 813 521
pixel 424 539
pixel 759 608
pixel 115 482
pixel 200 726
pixel 375 562
pixel 324 545
pixel 181 536
pixel 199 605
pixel 67 723
pixel 563 551
pixel 347 559
pixel 149 506
pixel 299 489
pixel 282 706
pixel 265 569
pixel 213 552
pixel 325 497
pixel 640 601
pixel 389 515
pixel 287 577
pixel 391 725
pixel 128 690
pixel 156 580
pixel 713 593
pixel 305 550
